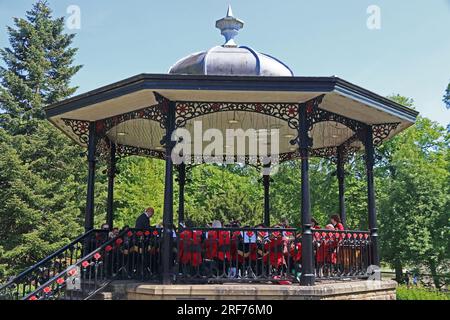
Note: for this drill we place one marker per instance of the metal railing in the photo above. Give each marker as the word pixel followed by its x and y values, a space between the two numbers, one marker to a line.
pixel 341 254
pixel 205 255
pixel 41 272
pixel 238 255
pixel 88 276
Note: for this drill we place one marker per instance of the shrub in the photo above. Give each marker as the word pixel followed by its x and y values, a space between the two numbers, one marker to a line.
pixel 418 293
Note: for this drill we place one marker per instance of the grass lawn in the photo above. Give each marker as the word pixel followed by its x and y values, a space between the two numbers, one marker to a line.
pixel 418 293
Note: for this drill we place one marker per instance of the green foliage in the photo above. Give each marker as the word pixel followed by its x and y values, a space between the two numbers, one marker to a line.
pixel 43 178
pixel 139 184
pixel 38 68
pixel 224 193
pixel 418 293
pixel 40 169
pixel 414 215
pixel 447 97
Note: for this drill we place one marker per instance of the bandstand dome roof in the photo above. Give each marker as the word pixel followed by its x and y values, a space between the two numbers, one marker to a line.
pixel 229 58
pixel 229 87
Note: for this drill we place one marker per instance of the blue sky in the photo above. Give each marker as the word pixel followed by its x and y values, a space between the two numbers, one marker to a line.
pixel 409 55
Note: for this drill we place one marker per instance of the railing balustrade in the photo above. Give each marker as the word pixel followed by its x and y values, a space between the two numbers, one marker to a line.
pixel 341 254
pixel 86 277
pixel 41 272
pixel 200 255
pixel 238 255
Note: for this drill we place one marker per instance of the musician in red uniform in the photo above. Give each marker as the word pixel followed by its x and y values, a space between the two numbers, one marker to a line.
pixel 325 250
pixel 238 254
pixel 314 224
pixel 211 244
pixel 336 222
pixel 223 254
pixel 294 254
pixel 275 248
pixel 251 247
pixel 190 250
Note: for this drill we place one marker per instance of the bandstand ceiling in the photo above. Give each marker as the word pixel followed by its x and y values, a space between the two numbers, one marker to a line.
pixel 340 97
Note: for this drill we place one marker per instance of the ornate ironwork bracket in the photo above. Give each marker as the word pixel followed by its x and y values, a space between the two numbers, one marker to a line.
pixel 157 112
pixel 124 150
pixel 329 153
pixel 186 110
pixel 381 131
pixel 80 128
pixel 317 115
pixel 103 148
pixel 310 105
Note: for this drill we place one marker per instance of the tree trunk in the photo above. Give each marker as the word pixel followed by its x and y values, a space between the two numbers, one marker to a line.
pixel 398 271
pixel 434 275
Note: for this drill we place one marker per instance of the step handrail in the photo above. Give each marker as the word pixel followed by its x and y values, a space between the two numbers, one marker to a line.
pixel 84 258
pixel 48 258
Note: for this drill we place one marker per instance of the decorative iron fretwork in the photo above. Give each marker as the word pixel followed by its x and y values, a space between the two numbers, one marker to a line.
pixel 157 112
pixel 330 153
pixel 381 131
pixel 103 148
pixel 319 115
pixel 150 113
pixel 346 147
pixel 247 159
pixel 310 106
pixel 80 128
pixel 124 150
pixel 326 152
pixel 190 110
pixel 287 156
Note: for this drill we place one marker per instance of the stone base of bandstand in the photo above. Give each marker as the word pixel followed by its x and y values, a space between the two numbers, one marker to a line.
pixel 343 290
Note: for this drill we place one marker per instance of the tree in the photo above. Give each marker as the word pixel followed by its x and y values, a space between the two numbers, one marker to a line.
pixel 39 66
pixel 139 184
pixel 447 97
pixel 40 168
pixel 414 201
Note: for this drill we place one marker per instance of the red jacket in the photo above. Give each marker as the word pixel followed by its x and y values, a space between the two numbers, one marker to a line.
pixel 236 246
pixel 211 245
pixel 224 249
pixel 190 247
pixel 252 247
pixel 326 249
pixel 275 251
pixel 296 251
pixel 339 227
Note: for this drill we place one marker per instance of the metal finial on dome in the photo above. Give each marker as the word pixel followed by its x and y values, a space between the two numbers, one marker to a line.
pixel 229 11
pixel 229 28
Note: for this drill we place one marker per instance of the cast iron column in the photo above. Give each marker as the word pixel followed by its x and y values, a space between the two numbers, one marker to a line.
pixel 266 183
pixel 111 176
pixel 89 214
pixel 341 181
pixel 371 195
pixel 307 277
pixel 181 183
pixel 167 253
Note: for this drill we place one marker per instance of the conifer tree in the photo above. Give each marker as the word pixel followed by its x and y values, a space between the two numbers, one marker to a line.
pixel 38 68
pixel 41 171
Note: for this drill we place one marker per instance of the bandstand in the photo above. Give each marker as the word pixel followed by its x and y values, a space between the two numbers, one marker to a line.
pixel 231 87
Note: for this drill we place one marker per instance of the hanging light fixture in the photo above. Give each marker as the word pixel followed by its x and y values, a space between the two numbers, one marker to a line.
pixel 234 120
